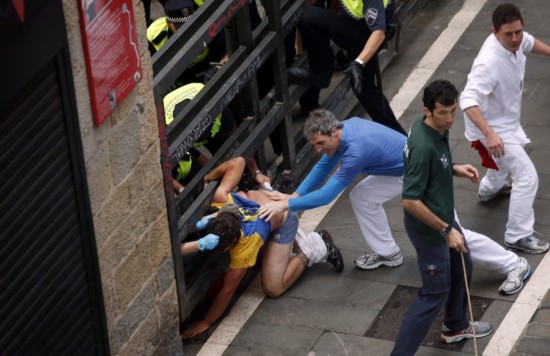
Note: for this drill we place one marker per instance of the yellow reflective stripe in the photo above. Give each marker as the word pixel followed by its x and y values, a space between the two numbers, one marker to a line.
pixel 157 32
pixel 199 2
pixel 355 7
pixel 216 126
pixel 213 131
pixel 200 143
pixel 201 55
pixel 177 96
pixel 184 167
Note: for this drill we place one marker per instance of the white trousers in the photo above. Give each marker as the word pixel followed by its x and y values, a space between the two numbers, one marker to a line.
pixel 521 215
pixel 488 254
pixel 367 198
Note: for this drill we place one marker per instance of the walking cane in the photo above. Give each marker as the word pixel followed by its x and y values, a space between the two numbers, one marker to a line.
pixel 469 302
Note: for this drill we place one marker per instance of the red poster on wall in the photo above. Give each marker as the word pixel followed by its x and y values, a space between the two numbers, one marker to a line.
pixel 111 51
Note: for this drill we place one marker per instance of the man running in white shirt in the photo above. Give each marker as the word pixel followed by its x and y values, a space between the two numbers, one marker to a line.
pixel 491 101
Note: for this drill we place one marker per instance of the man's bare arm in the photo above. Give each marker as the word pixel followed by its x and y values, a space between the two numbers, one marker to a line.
pixel 231 282
pixel 421 212
pixel 541 48
pixel 230 173
pixel 372 45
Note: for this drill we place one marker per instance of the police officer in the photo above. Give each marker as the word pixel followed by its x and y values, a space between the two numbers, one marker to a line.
pixel 178 13
pixel 360 28
pixel 213 138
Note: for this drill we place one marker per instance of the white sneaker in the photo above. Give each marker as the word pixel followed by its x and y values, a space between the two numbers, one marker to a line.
pixel 529 244
pixel 515 278
pixel 481 329
pixel 372 261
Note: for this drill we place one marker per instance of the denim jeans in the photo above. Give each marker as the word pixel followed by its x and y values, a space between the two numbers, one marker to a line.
pixel 442 285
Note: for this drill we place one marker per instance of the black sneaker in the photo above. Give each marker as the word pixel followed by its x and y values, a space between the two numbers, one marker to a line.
pixel 334 255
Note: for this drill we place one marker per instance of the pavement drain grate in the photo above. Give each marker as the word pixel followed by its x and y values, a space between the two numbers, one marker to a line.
pixel 387 323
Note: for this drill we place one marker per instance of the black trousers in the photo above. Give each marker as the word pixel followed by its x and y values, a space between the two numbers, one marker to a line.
pixel 318 28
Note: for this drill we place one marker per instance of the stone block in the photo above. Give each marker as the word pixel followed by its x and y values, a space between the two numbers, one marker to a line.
pixel 150 162
pixel 542 316
pixel 169 345
pixel 129 231
pixel 165 276
pixel 157 242
pixel 533 346
pixel 142 305
pixel 265 337
pixel 109 301
pixel 100 181
pixel 145 339
pixel 155 202
pixel 137 186
pixel 168 312
pixel 348 291
pixel 331 343
pixel 540 160
pixel 124 144
pixel 538 330
pixel 546 300
pixel 305 313
pixel 149 128
pixel 114 209
pixel 131 275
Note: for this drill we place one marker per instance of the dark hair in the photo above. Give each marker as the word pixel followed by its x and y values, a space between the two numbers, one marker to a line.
pixel 439 91
pixel 227 226
pixel 505 13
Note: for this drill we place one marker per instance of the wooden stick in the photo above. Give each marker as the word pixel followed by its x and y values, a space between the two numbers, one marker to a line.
pixel 469 302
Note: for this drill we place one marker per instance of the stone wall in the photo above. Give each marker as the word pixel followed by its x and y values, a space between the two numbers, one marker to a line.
pixel 128 207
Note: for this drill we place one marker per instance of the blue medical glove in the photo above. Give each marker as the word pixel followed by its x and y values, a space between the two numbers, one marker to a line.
pixel 208 242
pixel 201 225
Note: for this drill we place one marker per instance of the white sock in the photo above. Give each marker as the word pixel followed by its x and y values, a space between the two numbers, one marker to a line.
pixel 313 246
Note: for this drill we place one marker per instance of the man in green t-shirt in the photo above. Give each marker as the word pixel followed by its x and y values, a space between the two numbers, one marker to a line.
pixel 428 202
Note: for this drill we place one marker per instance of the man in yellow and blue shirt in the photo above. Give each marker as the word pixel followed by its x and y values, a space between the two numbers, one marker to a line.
pixel 279 271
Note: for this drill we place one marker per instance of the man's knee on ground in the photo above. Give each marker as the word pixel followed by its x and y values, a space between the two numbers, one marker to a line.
pixel 273 290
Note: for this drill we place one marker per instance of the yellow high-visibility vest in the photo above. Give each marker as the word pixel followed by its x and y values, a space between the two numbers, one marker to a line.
pixel 186 92
pixel 157 34
pixel 355 7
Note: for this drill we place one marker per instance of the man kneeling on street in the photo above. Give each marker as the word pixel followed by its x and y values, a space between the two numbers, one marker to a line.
pixel 243 233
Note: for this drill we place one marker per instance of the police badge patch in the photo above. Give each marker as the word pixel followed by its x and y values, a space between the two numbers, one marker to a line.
pixel 370 16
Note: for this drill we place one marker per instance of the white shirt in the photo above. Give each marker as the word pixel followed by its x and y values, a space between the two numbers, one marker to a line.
pixel 495 84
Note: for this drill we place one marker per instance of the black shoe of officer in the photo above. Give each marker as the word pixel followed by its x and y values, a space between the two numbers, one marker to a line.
pixel 302 76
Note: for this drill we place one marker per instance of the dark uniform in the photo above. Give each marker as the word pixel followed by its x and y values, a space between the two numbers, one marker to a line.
pixel 351 31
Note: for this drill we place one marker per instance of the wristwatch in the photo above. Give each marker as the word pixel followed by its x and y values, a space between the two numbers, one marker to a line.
pixel 446 231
